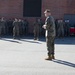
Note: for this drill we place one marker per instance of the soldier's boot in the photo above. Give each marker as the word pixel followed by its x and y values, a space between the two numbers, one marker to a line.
pixel 53 57
pixel 14 37
pixel 35 38
pixel 49 58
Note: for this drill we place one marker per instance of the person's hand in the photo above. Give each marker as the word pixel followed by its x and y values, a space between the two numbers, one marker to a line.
pixel 44 26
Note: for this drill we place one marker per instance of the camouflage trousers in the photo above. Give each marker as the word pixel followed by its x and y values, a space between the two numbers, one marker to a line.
pixel 16 32
pixel 50 45
pixel 60 32
pixel 2 30
pixel 36 34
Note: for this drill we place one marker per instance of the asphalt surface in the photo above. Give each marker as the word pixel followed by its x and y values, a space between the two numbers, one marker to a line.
pixel 27 57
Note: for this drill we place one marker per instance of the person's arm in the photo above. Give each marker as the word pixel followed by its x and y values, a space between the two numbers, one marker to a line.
pixel 13 24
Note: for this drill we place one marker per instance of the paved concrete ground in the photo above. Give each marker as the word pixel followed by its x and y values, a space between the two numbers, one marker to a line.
pixel 26 57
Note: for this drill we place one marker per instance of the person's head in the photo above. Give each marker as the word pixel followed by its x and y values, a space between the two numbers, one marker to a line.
pixel 67 21
pixel 47 12
pixel 61 20
pixel 16 19
pixel 20 20
pixel 58 21
pixel 2 19
pixel 39 20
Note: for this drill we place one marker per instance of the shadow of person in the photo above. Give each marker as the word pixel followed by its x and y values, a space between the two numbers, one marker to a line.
pixel 14 41
pixel 30 41
pixel 64 63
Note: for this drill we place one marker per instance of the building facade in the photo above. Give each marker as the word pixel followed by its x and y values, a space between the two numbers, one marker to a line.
pixel 27 9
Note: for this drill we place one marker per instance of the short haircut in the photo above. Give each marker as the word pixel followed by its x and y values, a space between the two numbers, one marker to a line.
pixel 47 11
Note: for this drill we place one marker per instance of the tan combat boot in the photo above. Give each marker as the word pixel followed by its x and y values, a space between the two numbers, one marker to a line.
pixel 49 58
pixel 53 57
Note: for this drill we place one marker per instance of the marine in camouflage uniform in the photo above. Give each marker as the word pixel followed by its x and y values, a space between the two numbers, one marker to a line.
pixel 36 30
pixel 16 32
pixel 40 27
pixel 0 29
pixel 2 26
pixel 67 28
pixel 20 27
pixel 25 27
pixel 50 34
pixel 60 28
pixel 9 27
